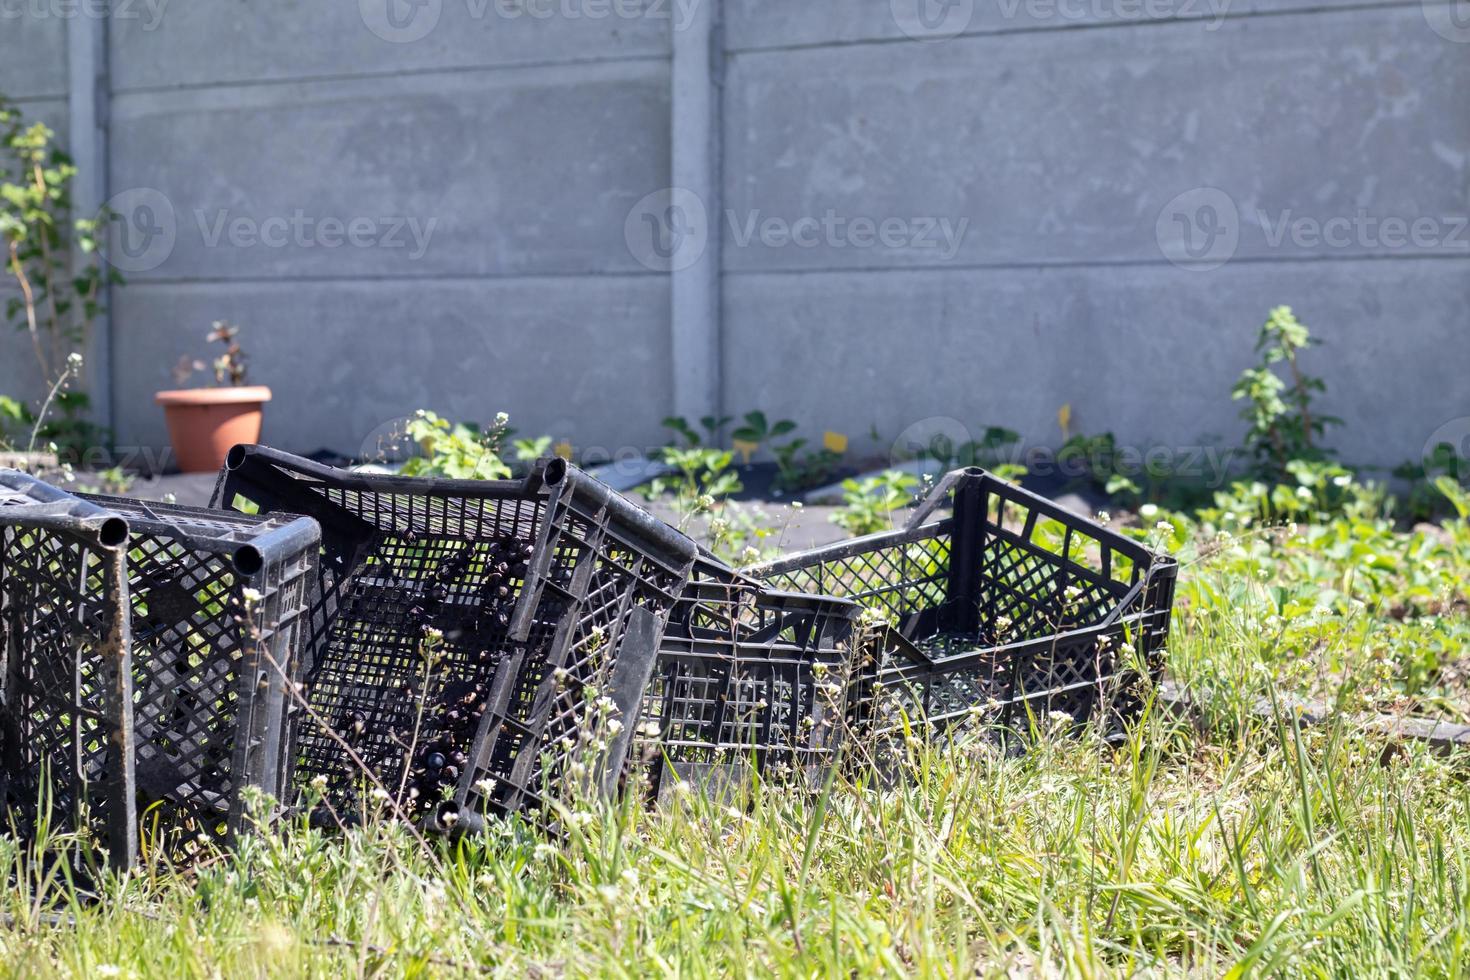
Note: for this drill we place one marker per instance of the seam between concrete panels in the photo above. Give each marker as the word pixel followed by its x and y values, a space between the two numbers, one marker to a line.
pixel 653 59
pixel 22 100
pixel 1161 22
pixel 650 276
pixel 1092 264
pixel 498 277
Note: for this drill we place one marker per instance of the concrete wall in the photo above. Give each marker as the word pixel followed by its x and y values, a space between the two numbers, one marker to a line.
pixel 1091 202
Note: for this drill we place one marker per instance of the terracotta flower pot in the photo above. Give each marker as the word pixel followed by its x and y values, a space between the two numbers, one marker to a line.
pixel 203 423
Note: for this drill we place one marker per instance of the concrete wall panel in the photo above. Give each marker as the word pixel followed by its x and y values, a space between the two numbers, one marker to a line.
pixel 1076 146
pixel 1150 354
pixel 166 43
pixel 585 359
pixel 32 52
pixel 755 24
pixel 502 173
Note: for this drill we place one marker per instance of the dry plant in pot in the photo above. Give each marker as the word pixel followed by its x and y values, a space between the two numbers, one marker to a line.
pixel 203 423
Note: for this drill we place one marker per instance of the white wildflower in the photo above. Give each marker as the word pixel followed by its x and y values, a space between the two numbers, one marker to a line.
pixel 251 596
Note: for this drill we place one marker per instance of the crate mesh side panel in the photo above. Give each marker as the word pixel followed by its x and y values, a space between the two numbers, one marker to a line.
pixel 741 682
pixel 902 579
pixel 55 613
pixel 445 564
pixel 188 649
pixel 1036 578
pixel 552 720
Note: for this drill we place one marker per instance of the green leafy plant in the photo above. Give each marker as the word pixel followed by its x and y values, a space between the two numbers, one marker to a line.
pixel 758 431
pixel 461 451
pixel 1283 424
pixel 868 505
pixel 1426 498
pixel 797 469
pixel 710 431
pixel 530 450
pixel 702 478
pixel 59 295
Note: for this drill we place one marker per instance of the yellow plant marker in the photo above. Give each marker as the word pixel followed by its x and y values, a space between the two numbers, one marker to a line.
pixel 835 442
pixel 564 450
pixel 745 449
pixel 1064 419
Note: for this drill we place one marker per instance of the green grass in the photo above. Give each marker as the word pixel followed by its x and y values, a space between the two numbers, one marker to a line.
pixel 1227 844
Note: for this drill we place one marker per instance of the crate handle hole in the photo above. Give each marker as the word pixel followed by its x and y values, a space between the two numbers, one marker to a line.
pixel 113 533
pixel 249 561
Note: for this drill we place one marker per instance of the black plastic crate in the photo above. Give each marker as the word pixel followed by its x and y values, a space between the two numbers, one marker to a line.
pixel 748 677
pixel 218 603
pixel 1012 606
pixel 536 598
pixel 66 730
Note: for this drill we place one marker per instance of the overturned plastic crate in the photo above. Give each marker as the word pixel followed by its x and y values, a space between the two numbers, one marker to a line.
pixel 217 604
pixel 470 637
pixel 66 730
pixel 1012 608
pixel 748 678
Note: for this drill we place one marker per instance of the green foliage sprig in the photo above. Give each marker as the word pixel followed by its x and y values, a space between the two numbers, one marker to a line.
pixel 1283 424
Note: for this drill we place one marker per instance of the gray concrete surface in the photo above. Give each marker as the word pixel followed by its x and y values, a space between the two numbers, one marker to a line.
pixel 1137 185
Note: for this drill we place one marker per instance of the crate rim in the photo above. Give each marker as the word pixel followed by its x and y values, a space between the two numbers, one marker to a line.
pixel 58 510
pixel 924 519
pixel 548 474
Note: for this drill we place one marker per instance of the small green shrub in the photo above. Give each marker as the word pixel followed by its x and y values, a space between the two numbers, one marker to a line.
pixel 1283 424
pixel 868 505
pixel 460 451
